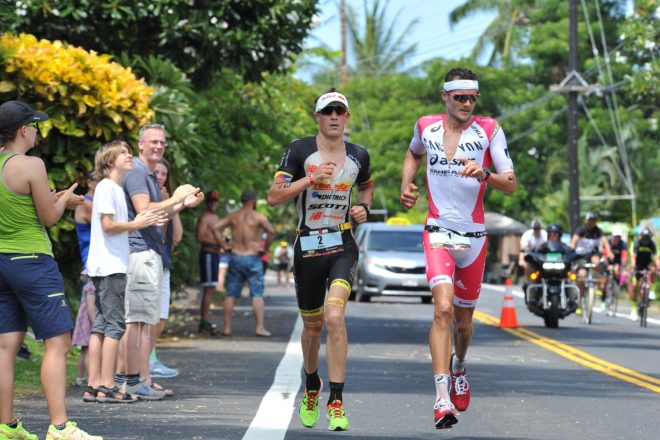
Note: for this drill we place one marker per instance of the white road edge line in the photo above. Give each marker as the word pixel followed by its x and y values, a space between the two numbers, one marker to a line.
pixel 518 293
pixel 274 413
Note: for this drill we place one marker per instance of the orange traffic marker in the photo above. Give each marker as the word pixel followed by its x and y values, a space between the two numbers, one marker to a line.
pixel 508 317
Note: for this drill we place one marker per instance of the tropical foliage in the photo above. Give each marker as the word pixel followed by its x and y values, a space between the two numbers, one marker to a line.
pixel 201 37
pixel 505 34
pixel 378 49
pixel 91 95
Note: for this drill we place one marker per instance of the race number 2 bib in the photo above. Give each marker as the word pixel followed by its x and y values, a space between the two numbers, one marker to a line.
pixel 321 242
pixel 443 239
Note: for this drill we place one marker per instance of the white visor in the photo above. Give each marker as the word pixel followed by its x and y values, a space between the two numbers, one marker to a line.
pixel 461 84
pixel 330 98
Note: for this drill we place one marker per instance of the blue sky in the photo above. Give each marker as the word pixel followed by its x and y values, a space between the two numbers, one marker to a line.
pixel 433 34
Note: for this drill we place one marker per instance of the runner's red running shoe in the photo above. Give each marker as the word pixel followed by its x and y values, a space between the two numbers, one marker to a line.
pixel 445 416
pixel 460 390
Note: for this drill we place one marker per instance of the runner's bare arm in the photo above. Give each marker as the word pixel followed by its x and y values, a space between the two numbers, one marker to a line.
pixel 365 195
pixel 411 164
pixel 505 182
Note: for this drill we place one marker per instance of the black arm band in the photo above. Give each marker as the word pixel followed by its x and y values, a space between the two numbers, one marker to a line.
pixel 365 206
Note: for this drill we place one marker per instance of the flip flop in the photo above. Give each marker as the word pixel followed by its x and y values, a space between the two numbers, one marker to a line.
pixel 264 335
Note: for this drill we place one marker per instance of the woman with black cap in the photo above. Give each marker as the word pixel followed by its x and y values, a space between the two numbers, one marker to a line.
pixel 31 286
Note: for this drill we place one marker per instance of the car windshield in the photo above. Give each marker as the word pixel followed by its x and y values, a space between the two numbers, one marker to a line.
pixel 402 241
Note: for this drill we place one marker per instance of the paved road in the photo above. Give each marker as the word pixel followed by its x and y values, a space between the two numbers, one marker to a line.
pixel 521 389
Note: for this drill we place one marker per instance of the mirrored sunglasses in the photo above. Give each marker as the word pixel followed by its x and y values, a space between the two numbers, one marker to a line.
pixel 34 124
pixel 327 111
pixel 463 98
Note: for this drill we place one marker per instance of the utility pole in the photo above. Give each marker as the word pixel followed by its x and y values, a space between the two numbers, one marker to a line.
pixel 573 167
pixel 573 84
pixel 344 64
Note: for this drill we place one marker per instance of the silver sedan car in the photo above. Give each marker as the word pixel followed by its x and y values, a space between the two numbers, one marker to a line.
pixel 391 262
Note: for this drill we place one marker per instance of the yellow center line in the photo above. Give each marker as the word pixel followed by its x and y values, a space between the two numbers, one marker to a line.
pixel 576 355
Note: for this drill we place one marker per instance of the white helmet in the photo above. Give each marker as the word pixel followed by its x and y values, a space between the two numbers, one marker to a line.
pixel 617 231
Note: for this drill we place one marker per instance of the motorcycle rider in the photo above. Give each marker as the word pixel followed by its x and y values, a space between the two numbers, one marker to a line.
pixel 553 244
pixel 530 240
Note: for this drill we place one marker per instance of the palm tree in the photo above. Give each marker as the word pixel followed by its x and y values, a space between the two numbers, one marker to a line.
pixel 378 50
pixel 503 33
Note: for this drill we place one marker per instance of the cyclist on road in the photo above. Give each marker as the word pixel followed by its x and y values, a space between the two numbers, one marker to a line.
pixel 590 242
pixel 644 257
pixel 319 172
pixel 615 266
pixel 460 148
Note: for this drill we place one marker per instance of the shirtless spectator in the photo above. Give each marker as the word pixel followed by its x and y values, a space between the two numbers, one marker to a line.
pixel 209 259
pixel 245 265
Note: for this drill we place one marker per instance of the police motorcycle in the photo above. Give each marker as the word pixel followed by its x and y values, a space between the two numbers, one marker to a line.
pixel 553 294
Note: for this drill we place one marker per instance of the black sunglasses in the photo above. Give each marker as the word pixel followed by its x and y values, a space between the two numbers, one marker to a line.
pixel 34 124
pixel 464 98
pixel 327 111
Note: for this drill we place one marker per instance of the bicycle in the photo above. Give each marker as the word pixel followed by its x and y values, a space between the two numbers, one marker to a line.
pixel 644 297
pixel 589 297
pixel 611 293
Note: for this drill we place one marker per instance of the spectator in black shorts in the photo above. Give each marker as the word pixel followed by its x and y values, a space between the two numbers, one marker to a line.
pixel 209 260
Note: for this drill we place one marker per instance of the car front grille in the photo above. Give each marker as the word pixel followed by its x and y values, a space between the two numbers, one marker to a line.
pixel 413 270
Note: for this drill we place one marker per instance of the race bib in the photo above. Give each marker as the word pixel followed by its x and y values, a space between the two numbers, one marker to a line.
pixel 320 242
pixel 444 239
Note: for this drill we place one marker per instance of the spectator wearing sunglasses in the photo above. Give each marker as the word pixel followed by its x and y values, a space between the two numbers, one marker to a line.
pixel 31 286
pixel 319 172
pixel 460 149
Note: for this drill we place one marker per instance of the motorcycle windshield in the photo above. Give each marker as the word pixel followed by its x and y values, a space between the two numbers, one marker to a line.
pixel 553 256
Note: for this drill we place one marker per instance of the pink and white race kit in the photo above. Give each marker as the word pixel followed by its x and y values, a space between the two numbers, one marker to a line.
pixel 456 203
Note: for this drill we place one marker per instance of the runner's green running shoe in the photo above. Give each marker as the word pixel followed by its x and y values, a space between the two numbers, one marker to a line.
pixel 337 416
pixel 309 408
pixel 18 433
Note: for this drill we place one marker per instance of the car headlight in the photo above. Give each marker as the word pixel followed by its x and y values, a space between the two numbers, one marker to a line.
pixel 372 262
pixel 554 266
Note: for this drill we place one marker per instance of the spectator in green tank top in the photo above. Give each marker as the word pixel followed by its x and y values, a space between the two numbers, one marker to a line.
pixel 31 286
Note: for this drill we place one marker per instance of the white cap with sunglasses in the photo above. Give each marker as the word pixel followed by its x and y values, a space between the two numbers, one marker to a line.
pixel 331 98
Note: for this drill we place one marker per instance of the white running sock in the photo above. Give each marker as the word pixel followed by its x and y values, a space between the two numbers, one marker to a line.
pixel 442 382
pixel 457 366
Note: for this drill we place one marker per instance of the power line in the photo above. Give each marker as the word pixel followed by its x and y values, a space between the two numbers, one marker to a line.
pixel 539 126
